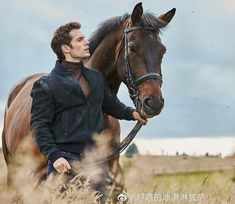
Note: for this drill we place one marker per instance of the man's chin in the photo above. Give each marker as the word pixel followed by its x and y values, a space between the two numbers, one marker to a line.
pixel 87 55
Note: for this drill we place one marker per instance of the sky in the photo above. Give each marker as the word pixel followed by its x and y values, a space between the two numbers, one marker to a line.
pixel 198 68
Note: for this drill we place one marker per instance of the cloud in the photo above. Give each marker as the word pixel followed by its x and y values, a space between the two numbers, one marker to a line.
pixel 227 7
pixel 43 9
pixel 34 18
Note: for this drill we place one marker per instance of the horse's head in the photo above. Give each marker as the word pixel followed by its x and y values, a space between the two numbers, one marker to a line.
pixel 143 52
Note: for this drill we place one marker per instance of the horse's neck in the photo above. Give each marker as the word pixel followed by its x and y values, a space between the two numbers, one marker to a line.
pixel 104 59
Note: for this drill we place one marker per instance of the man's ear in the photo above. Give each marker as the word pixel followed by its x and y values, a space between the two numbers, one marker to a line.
pixel 65 49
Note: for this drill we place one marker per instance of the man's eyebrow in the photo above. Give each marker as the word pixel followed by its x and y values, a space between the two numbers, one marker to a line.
pixel 81 36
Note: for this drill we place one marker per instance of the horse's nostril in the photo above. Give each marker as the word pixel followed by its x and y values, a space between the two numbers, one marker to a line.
pixel 147 101
pixel 153 103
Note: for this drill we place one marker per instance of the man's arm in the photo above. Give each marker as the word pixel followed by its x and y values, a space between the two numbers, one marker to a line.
pixel 42 114
pixel 114 107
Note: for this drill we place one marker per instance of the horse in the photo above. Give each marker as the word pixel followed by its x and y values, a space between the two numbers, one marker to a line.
pixel 124 49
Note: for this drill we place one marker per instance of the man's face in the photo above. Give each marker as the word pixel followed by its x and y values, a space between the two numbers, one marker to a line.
pixel 79 46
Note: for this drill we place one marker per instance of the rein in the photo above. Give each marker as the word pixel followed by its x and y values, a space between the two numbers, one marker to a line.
pixel 121 146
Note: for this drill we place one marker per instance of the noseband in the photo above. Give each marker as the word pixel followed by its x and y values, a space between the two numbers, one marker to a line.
pixel 130 81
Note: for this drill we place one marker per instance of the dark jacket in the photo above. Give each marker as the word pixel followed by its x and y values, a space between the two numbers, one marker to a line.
pixel 63 118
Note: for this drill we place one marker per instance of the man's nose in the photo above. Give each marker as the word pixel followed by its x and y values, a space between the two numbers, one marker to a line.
pixel 87 41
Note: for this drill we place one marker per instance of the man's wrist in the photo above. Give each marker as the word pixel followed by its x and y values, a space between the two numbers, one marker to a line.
pixel 55 155
pixel 129 113
pixel 133 114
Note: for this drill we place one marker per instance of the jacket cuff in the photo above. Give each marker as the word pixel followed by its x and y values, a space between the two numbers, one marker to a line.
pixel 55 155
pixel 129 113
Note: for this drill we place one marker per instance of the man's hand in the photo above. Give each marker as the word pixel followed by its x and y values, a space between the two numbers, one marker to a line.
pixel 137 116
pixel 61 165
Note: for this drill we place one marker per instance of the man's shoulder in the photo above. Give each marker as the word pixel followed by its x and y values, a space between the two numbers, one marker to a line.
pixel 44 81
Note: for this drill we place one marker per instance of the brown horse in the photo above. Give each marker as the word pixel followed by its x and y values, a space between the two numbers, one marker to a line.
pixel 124 49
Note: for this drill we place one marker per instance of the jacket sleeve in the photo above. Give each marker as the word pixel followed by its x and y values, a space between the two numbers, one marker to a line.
pixel 42 114
pixel 112 105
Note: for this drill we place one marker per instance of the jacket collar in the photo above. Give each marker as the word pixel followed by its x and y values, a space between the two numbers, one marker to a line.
pixel 60 69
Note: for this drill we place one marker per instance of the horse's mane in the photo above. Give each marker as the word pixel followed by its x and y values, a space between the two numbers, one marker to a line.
pixel 147 20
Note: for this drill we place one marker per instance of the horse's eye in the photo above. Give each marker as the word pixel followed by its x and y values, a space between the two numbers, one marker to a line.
pixel 132 49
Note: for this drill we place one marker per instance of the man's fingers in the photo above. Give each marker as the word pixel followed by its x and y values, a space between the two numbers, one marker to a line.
pixel 137 116
pixel 68 166
pixel 144 122
pixel 58 170
pixel 65 169
pixel 61 165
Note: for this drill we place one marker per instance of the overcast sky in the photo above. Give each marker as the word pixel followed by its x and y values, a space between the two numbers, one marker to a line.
pixel 198 69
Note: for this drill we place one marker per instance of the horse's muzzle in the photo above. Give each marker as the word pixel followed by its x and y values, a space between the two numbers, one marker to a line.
pixel 152 106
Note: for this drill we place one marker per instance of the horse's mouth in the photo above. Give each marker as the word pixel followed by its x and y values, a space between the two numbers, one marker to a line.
pixel 144 114
pixel 147 113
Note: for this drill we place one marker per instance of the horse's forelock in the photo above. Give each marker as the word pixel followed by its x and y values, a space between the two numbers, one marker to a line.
pixel 150 20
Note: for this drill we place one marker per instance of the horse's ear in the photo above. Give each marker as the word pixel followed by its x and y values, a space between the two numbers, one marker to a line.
pixel 164 19
pixel 137 13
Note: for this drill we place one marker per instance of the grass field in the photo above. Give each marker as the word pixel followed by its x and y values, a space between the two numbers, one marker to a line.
pixel 168 179
pixel 149 179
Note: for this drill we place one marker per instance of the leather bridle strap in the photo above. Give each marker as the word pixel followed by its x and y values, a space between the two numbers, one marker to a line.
pixel 130 81
pixel 149 75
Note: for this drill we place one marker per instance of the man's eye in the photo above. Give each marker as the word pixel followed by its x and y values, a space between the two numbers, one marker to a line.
pixel 80 39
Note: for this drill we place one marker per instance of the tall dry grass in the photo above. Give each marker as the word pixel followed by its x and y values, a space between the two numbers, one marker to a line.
pixel 149 179
pixel 26 189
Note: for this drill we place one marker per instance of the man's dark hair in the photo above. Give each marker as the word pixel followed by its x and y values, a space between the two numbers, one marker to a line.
pixel 62 37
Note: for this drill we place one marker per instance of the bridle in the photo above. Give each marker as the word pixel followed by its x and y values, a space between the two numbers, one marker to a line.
pixel 130 81
pixel 134 95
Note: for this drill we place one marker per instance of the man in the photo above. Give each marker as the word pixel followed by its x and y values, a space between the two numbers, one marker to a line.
pixel 68 104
